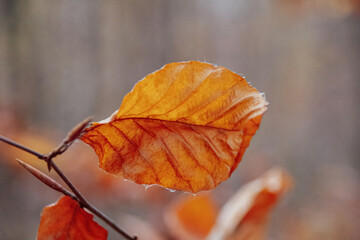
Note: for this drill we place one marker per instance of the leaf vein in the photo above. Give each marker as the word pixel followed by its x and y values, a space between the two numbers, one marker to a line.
pixel 177 172
pixel 115 150
pixel 246 118
pixel 137 149
pixel 210 143
pixel 229 109
pixel 211 101
pixel 165 93
pixel 189 95
pixel 186 144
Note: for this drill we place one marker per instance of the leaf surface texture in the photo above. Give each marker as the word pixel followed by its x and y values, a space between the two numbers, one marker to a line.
pixel 185 127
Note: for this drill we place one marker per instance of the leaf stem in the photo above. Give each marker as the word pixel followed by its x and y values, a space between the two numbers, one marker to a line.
pixel 81 199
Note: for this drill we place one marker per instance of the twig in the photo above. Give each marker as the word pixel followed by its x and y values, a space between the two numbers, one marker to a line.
pixel 68 140
pixel 73 134
pixel 47 180
pixel 87 205
pixel 10 142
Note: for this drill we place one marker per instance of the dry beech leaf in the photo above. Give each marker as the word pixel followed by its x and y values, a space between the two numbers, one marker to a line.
pixel 244 216
pixel 185 127
pixel 191 217
pixel 65 220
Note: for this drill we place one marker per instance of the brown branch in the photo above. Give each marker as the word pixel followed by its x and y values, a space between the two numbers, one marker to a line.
pixel 12 143
pixel 67 141
pixel 46 179
pixel 70 138
pixel 86 204
pixel 73 134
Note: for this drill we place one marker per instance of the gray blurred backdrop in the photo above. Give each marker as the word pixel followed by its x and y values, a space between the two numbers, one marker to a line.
pixel 61 61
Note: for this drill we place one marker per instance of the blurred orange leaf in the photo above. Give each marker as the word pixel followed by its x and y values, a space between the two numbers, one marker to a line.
pixel 245 215
pixel 65 220
pixel 185 127
pixel 191 217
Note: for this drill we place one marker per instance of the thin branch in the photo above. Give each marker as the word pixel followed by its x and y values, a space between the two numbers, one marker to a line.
pixel 17 145
pixel 87 205
pixel 46 179
pixel 73 134
pixel 83 202
pixel 70 138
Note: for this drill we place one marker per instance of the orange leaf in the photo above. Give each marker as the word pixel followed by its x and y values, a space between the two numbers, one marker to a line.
pixel 191 217
pixel 65 220
pixel 244 216
pixel 185 126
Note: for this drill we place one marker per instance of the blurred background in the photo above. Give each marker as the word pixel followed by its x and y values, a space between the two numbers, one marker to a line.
pixel 61 61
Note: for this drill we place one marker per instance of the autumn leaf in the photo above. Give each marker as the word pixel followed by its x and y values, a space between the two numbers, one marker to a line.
pixel 244 216
pixel 191 217
pixel 65 220
pixel 185 127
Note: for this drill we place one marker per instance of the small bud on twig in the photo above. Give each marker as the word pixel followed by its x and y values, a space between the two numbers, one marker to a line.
pixel 77 130
pixel 46 179
pixel 68 140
